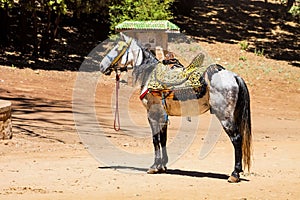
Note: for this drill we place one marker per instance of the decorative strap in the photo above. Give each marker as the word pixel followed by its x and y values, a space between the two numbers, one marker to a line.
pixel 117 125
pixel 124 46
pixel 164 104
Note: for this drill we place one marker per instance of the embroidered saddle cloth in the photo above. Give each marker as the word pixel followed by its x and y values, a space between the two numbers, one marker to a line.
pixel 165 78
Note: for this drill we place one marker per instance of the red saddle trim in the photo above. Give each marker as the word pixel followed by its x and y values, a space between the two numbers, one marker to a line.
pixel 144 94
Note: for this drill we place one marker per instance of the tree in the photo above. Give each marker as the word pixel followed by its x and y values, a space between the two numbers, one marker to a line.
pixel 121 10
pixel 31 27
pixel 79 7
pixel 28 21
pixel 54 9
pixel 184 6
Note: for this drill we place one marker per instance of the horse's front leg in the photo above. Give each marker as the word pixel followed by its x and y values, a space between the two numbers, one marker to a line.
pixel 158 126
pixel 163 142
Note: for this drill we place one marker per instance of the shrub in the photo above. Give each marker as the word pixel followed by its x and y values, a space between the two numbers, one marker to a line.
pixel 120 11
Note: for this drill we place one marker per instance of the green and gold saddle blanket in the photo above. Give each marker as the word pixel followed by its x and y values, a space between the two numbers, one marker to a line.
pixel 178 82
pixel 165 77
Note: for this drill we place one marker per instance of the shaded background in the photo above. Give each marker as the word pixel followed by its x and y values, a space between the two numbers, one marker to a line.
pixel 46 38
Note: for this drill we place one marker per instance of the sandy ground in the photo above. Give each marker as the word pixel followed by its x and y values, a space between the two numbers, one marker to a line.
pixel 47 160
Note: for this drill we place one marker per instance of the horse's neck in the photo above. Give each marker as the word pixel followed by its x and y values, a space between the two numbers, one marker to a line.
pixel 148 58
pixel 141 55
pixel 142 72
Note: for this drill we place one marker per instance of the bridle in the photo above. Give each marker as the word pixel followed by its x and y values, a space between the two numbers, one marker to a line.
pixel 114 64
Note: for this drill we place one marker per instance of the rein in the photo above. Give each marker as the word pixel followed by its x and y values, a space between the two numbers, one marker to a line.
pixel 113 66
pixel 117 125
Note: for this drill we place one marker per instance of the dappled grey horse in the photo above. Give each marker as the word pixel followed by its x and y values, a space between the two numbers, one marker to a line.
pixel 222 92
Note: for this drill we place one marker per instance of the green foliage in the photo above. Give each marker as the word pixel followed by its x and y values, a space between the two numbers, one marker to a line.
pixel 259 52
pixel 244 45
pixel 295 11
pixel 88 6
pixel 59 6
pixel 120 11
pixel 295 8
pixel 8 3
pixel 243 58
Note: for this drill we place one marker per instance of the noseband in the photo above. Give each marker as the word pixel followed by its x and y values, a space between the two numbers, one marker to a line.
pixel 123 48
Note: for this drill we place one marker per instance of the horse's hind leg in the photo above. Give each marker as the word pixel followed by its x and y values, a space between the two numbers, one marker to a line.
pixel 223 100
pixel 158 126
pixel 229 125
pixel 232 131
pixel 236 139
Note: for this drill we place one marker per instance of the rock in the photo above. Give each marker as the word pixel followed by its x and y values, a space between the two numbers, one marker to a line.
pixel 5 120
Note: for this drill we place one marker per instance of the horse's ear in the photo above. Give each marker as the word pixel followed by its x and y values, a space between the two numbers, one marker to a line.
pixel 124 37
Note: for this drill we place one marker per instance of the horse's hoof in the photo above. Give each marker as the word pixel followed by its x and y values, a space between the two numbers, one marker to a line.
pixel 233 179
pixel 162 170
pixel 157 170
pixel 152 171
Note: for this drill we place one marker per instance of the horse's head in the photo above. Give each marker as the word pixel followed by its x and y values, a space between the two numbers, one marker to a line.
pixel 124 54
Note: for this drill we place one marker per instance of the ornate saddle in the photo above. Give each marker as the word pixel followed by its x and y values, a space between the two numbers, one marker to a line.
pixel 171 79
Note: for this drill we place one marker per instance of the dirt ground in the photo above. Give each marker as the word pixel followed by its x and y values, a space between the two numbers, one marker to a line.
pixel 46 159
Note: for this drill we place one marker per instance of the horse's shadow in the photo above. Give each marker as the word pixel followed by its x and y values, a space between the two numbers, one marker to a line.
pixel 178 172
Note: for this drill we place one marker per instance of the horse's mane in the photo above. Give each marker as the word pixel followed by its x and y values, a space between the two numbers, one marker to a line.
pixel 142 72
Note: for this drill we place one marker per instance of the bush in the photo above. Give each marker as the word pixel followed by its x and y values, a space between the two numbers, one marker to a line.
pixel 295 11
pixel 120 11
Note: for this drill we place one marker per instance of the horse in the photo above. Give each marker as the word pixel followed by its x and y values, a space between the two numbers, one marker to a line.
pixel 222 92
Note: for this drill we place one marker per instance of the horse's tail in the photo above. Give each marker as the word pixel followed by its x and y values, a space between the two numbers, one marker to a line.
pixel 243 117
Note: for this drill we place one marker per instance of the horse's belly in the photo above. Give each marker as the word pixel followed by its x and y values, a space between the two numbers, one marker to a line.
pixel 190 107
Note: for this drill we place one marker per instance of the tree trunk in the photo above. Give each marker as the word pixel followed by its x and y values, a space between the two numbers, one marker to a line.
pixel 53 33
pixel 50 34
pixel 35 32
pixel 44 48
pixel 21 34
pixel 55 30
